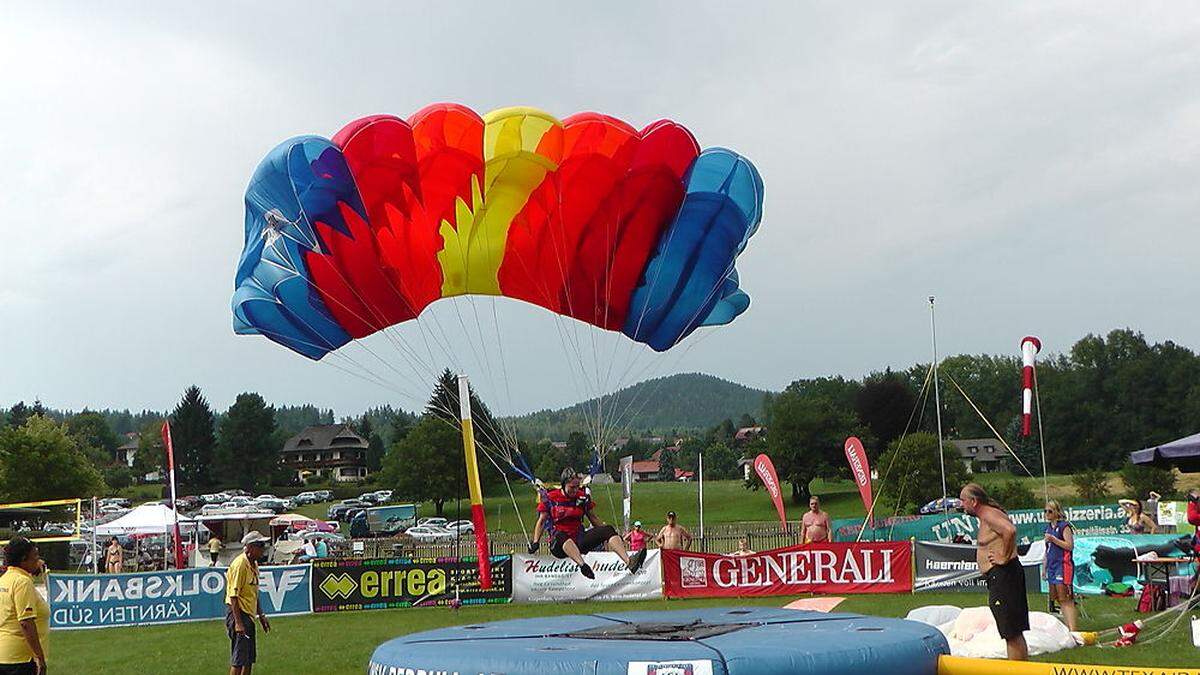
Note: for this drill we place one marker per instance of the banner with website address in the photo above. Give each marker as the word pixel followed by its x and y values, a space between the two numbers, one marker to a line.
pixel 539 579
pixel 868 567
pixel 384 583
pixel 1089 521
pixel 147 598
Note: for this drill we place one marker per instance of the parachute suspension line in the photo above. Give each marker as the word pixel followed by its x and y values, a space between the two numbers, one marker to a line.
pixel 921 397
pixel 512 497
pixel 1041 439
pixel 989 425
pixel 906 477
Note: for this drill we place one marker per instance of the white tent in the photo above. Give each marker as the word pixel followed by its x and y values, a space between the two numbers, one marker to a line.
pixel 146 519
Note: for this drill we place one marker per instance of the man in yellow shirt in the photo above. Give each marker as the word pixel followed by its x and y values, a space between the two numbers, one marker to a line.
pixel 241 600
pixel 24 614
pixel 214 549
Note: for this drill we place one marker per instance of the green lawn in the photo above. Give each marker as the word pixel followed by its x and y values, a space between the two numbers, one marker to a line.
pixel 342 643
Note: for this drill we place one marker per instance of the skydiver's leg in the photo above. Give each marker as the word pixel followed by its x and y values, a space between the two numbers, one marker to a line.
pixel 571 549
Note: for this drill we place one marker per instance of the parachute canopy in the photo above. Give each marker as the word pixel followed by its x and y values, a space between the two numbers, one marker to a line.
pixel 631 231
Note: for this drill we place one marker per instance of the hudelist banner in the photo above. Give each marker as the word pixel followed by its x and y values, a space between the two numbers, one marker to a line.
pixel 541 579
pixel 869 567
pixel 174 596
pixel 341 585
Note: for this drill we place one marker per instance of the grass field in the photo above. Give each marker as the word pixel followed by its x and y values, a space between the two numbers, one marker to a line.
pixel 342 643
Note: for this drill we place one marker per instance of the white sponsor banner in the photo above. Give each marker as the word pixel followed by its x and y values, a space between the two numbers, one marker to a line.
pixel 539 579
pixel 702 667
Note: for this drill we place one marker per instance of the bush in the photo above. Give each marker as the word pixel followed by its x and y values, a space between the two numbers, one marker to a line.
pixel 1015 494
pixel 117 477
pixel 1092 485
pixel 1141 480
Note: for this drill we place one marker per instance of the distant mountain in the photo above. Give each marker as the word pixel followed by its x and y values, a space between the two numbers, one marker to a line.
pixel 684 402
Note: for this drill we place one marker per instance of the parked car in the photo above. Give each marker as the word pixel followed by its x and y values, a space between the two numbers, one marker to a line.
pixel 123 502
pixel 461 527
pixel 325 495
pixel 371 497
pixel 272 504
pixel 306 498
pixel 936 506
pixel 435 522
pixel 209 509
pixel 384 496
pixel 340 510
pixel 108 509
pixel 268 496
pixel 429 533
pixel 237 493
pixel 188 503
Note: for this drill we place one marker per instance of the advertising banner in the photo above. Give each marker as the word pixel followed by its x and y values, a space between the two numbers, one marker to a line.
pixel 1089 521
pixel 873 567
pixel 626 490
pixel 539 579
pixel 860 469
pixel 953 567
pixel 382 583
pixel 391 519
pixel 766 472
pixel 145 598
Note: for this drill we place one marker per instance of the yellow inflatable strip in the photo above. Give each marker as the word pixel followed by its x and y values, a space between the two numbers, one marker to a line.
pixel 957 665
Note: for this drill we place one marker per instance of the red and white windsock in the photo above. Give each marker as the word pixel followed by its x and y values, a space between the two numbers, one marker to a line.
pixel 1030 346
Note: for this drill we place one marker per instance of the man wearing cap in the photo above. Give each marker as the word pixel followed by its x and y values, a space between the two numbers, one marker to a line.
pixel 673 535
pixel 241 598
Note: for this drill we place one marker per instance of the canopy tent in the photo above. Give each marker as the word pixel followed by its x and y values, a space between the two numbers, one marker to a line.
pixel 146 519
pixel 1183 453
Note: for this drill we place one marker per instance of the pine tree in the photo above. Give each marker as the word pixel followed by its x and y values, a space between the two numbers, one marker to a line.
pixel 18 415
pixel 246 451
pixel 193 439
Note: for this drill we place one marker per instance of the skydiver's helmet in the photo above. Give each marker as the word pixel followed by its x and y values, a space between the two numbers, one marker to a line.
pixel 569 473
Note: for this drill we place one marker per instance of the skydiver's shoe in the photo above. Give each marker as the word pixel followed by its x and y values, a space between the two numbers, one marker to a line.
pixel 635 562
pixel 586 570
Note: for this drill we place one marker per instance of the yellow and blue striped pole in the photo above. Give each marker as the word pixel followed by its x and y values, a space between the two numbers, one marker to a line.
pixel 477 514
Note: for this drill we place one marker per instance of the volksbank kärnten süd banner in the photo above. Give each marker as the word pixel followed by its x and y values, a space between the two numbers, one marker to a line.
pixel 144 598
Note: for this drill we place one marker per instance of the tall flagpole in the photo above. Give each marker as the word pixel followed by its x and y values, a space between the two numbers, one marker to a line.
pixel 937 402
pixel 478 518
pixel 166 435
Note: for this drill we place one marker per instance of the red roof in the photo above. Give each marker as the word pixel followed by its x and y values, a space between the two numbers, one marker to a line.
pixel 646 466
pixel 680 473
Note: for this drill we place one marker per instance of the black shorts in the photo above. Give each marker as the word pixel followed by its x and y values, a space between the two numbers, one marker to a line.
pixel 587 542
pixel 27 668
pixel 1007 599
pixel 242 651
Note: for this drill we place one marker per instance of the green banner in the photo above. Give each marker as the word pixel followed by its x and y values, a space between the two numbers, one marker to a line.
pixel 1089 521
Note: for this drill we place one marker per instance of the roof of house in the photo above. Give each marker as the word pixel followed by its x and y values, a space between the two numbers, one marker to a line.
pixel 745 433
pixel 325 436
pixel 131 441
pixel 646 466
pixel 980 449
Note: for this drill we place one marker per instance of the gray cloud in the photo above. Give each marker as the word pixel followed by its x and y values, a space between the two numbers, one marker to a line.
pixel 1034 165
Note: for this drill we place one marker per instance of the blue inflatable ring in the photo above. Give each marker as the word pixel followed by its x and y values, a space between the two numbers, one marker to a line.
pixel 711 641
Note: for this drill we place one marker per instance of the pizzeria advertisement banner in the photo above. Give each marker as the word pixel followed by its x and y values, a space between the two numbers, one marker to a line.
pixel 868 567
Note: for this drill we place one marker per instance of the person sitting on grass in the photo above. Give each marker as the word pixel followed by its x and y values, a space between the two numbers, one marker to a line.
pixel 565 508
pixel 1060 571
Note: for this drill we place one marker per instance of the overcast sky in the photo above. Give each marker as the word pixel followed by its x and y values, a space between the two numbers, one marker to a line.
pixel 1036 166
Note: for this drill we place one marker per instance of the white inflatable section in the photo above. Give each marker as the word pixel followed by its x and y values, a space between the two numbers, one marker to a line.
pixel 972 632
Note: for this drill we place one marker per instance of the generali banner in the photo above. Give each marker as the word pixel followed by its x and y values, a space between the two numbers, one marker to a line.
pixel 538 579
pixel 869 567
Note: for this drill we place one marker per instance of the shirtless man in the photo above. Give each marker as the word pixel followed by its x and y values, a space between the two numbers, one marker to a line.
pixel 815 523
pixel 996 553
pixel 673 535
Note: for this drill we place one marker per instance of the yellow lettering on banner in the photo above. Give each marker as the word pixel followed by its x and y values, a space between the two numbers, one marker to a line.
pixel 416 582
pixel 956 665
pixel 437 582
pixel 369 584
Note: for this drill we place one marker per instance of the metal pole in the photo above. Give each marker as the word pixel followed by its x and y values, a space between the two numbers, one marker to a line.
pixel 937 401
pixel 95 524
pixel 700 479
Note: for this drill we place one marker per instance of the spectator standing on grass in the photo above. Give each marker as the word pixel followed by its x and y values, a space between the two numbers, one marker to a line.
pixel 114 557
pixel 241 600
pixel 1152 500
pixel 996 554
pixel 636 538
pixel 24 614
pixel 673 535
pixel 815 523
pixel 214 549
pixel 1060 569
pixel 322 549
pixel 1138 521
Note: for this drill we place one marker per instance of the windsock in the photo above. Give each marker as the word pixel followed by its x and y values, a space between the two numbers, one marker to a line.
pixel 1030 346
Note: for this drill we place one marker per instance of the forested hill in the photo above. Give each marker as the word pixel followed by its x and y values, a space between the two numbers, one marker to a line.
pixel 681 402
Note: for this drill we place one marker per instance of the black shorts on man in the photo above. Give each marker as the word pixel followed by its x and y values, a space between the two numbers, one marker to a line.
pixel 242 651
pixel 1007 599
pixel 590 540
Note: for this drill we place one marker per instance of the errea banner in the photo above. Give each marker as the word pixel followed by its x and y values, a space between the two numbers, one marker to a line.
pixel 145 598
pixel 870 567
pixel 539 579
pixel 383 583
